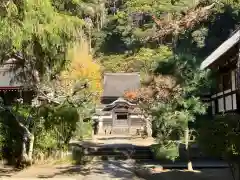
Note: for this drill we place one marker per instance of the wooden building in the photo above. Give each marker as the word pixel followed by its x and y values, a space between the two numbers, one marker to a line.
pixel 224 62
pixel 115 115
pixel 11 88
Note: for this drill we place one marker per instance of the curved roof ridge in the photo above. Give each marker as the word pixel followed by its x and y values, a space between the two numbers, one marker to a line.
pixel 122 73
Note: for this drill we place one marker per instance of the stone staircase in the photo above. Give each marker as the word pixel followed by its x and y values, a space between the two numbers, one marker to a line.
pixel 123 152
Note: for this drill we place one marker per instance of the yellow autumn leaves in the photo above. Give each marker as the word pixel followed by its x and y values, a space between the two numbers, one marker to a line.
pixel 82 68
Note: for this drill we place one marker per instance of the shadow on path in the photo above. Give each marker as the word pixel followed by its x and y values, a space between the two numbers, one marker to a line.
pixel 97 171
pixel 122 170
pixel 67 171
pixel 7 171
pixel 208 174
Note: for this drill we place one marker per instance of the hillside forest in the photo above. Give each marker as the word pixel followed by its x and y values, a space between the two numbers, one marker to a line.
pixel 62 48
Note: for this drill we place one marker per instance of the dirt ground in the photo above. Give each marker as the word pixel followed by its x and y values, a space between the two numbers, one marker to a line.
pixel 97 170
pixel 109 170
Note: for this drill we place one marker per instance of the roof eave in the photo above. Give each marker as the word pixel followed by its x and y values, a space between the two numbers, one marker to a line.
pixel 223 48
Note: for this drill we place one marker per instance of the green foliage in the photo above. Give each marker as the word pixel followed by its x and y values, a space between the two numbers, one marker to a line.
pixel 33 33
pixel 83 130
pixel 45 140
pixel 190 81
pixel 11 136
pixel 171 118
pixel 158 7
pixel 78 155
pixel 220 137
pixel 144 61
pixel 168 151
pixel 38 35
pixel 61 122
pixel 2 139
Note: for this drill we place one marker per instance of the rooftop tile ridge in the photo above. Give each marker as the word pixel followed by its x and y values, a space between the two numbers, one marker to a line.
pixel 122 73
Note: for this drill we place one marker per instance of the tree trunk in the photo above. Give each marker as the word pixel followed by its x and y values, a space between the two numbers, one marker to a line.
pixel 233 168
pixel 97 20
pixel 30 150
pixel 189 163
pixel 24 150
pixel 90 40
pixel 236 172
pixel 23 160
pixel 101 19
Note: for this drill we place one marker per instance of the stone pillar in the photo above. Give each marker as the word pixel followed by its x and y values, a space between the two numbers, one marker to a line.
pixel 100 125
pixel 149 126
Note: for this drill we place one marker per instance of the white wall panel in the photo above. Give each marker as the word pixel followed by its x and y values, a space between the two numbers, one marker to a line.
pixel 233 80
pixel 228 103
pixel 220 105
pixel 234 101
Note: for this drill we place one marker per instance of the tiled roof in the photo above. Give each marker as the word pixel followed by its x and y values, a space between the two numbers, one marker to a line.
pixel 116 84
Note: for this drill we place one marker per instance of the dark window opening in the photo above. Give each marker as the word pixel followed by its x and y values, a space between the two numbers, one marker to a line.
pixel 216 106
pixel 108 100
pixel 140 18
pixel 209 109
pixel 122 116
pixel 27 96
pixel 219 84
pixel 10 97
pixel 226 81
pixel 238 102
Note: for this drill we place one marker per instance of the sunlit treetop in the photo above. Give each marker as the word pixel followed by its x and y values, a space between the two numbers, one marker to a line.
pixel 82 69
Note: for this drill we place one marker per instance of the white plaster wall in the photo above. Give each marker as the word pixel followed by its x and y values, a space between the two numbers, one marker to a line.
pixel 233 80
pixel 220 105
pixel 234 101
pixel 228 103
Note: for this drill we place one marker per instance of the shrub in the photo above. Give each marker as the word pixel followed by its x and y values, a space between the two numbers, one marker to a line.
pixel 168 151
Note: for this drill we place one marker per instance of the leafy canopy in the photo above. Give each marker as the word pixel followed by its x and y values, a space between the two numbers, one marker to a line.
pixel 34 34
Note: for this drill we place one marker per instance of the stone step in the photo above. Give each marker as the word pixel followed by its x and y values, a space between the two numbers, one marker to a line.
pixel 125 151
pixel 122 152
